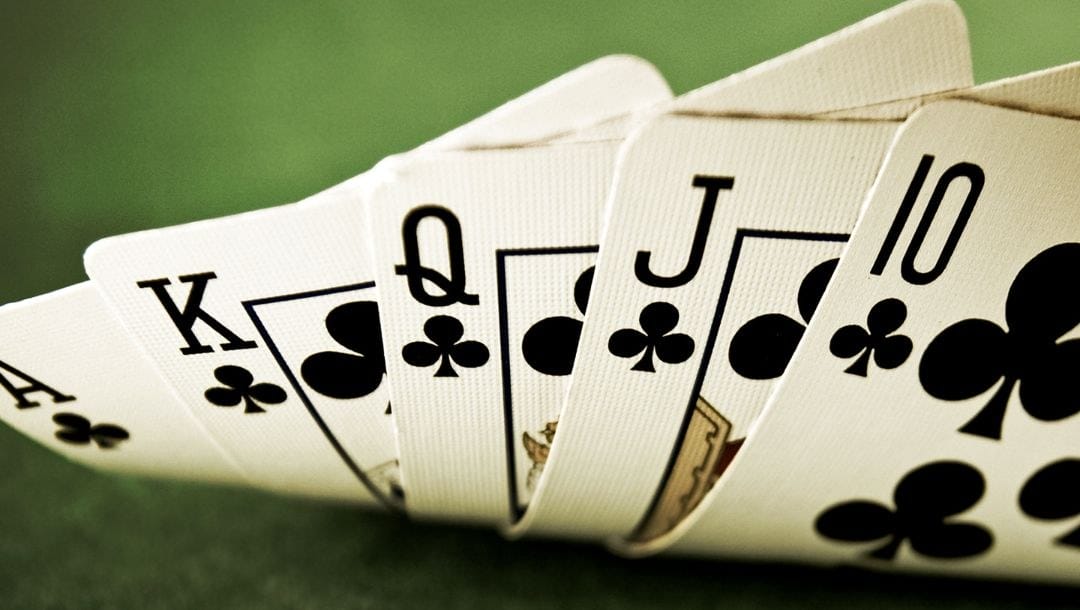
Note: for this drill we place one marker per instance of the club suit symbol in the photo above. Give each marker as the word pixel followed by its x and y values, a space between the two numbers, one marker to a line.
pixel 1053 493
pixel 238 385
pixel 354 326
pixel 657 320
pixel 549 346
pixel 445 348
pixel 971 356
pixel 877 339
pixel 926 499
pixel 77 430
pixel 762 348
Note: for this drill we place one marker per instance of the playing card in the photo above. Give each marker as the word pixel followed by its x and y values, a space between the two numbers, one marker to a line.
pixel 266 323
pixel 459 239
pixel 203 299
pixel 750 349
pixel 710 197
pixel 484 265
pixel 73 381
pixel 925 422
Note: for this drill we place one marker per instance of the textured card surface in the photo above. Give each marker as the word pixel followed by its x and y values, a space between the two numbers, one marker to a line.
pixel 472 248
pixel 267 325
pixel 926 421
pixel 211 303
pixel 484 265
pixel 769 340
pixel 692 189
pixel 74 382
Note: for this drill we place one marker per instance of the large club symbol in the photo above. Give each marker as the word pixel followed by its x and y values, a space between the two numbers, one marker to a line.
pixel 355 326
pixel 971 356
pixel 1053 493
pixel 549 346
pixel 762 348
pixel 657 321
pixel 926 499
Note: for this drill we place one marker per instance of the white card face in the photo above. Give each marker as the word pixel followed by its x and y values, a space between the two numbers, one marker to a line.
pixel 543 294
pixel 275 307
pixel 926 421
pixel 71 379
pixel 912 49
pixel 474 250
pixel 783 195
pixel 787 191
pixel 208 303
pixel 337 359
pixel 1051 91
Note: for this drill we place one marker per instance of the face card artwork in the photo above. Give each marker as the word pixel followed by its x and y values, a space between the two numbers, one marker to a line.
pixel 71 379
pixel 750 351
pixel 707 448
pixel 540 348
pixel 947 340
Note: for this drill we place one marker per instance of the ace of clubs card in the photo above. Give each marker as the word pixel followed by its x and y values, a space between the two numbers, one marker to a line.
pixel 77 384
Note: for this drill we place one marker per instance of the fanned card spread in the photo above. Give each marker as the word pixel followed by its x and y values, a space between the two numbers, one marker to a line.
pixel 824 310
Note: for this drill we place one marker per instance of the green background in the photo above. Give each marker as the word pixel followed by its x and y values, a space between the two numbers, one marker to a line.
pixel 121 115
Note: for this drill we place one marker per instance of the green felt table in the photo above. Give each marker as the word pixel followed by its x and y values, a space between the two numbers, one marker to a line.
pixel 121 115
